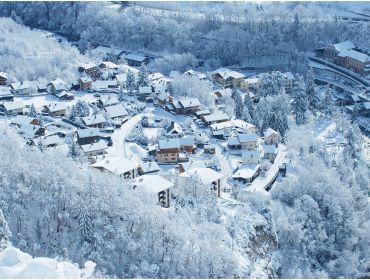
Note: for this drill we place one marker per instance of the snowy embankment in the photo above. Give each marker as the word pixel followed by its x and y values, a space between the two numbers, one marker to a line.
pixel 16 264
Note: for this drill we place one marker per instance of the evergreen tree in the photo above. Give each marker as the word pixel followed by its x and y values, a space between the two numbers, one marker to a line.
pixel 142 80
pixel 85 225
pixel 34 114
pixel 79 110
pixel 238 104
pixel 5 233
pixel 130 82
pixel 313 102
pixel 299 104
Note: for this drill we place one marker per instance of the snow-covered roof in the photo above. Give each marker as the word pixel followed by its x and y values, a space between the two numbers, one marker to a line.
pixel 227 74
pixel 56 106
pixel 94 119
pixel 29 130
pixel 216 116
pixel 97 146
pixel 121 77
pixel 174 127
pixel 162 96
pixel 203 112
pixel 193 164
pixel 169 144
pixel 59 84
pixel 189 102
pixel 155 76
pixel 22 120
pixel 87 65
pixel 288 75
pixel 116 165
pixel 206 175
pixel 270 132
pixel 134 57
pixel 116 111
pixel 4 75
pixel 88 132
pixel 362 57
pixel 145 90
pixel 85 79
pixel 13 105
pixel 149 166
pixel 237 123
pixel 247 137
pixel 187 141
pixel 21 86
pixel 346 45
pixel 250 81
pixel 367 105
pixel 108 100
pixel 246 171
pixel 50 140
pixel 97 85
pixel 152 183
pixel 109 65
pixel 5 91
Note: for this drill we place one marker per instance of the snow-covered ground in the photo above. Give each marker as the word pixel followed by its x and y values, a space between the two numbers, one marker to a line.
pixel 16 264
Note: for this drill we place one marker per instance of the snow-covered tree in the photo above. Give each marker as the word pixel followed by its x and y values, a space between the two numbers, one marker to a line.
pixel 299 102
pixel 79 110
pixel 131 82
pixel 239 108
pixel 142 79
pixel 85 224
pixel 5 233
pixel 313 101
pixel 35 114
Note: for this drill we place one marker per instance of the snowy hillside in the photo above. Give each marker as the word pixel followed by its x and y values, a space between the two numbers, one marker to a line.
pixel 16 264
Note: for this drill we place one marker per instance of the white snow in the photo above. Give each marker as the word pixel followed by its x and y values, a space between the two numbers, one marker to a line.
pixel 16 264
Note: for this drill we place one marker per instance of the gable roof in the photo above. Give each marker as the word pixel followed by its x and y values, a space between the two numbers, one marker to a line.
pixel 134 57
pixel 86 79
pixel 362 57
pixel 14 105
pixel 270 132
pixel 116 165
pixel 145 90
pixel 152 183
pixel 247 137
pixel 174 127
pixel 50 140
pixel 251 154
pixel 149 166
pixel 346 45
pixel 228 74
pixel 116 111
pixel 189 102
pixel 94 119
pixel 97 146
pixel 246 171
pixel 169 144
pixel 88 132
pixel 108 100
pixel 206 175
pixel 22 120
pixel 269 149
pixel 56 106
pixel 216 116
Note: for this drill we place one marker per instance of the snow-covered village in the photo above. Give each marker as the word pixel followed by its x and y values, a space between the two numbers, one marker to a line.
pixel 184 139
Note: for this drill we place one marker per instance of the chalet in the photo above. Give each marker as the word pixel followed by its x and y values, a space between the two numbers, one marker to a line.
pixel 162 99
pixel 148 167
pixel 57 86
pixel 202 112
pixel 90 69
pixel 108 65
pixel 94 149
pixel 208 177
pixel 174 129
pixel 24 88
pixel 157 185
pixel 251 157
pixel 48 141
pixel 215 117
pixel 210 149
pixel 246 173
pixel 4 80
pixel 126 168
pixel 145 92
pixel 186 105
pixel 31 131
pixel 107 100
pixel 271 137
pixel 56 109
pixel 288 82
pixel 155 76
pixel 222 130
pixel 269 152
pixel 243 141
pixel 136 59
pixel 42 86
pixel 94 121
pixel 20 120
pixel 227 78
pixel 250 84
pixel 65 95
pixel 13 107
pixel 6 94
pixel 88 136
pixel 105 86
pixel 172 150
pixel 85 82
pixel 116 111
